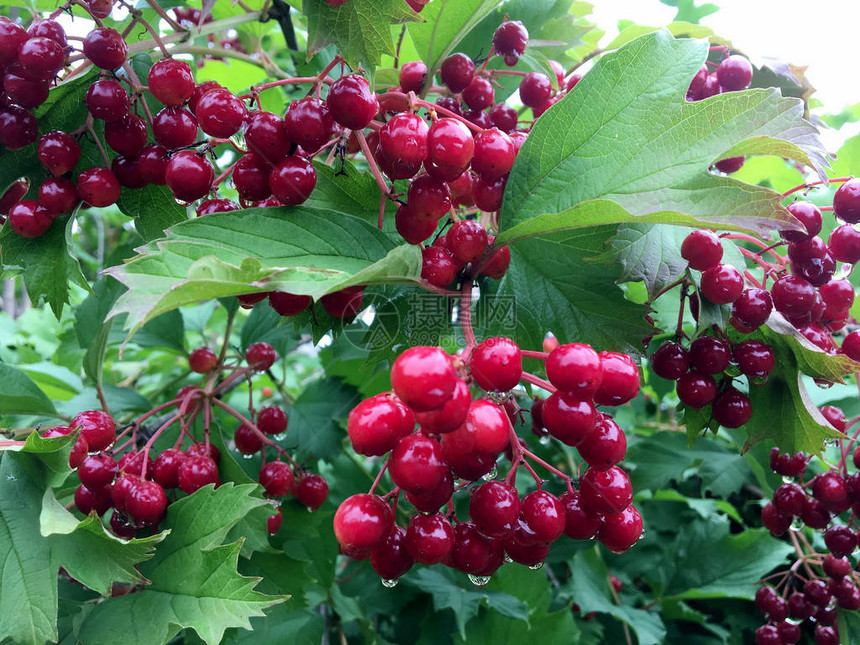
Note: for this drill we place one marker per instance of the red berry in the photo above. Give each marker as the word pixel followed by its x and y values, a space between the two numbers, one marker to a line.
pixel 309 123
pixel 751 310
pixel 438 266
pixel 535 89
pixel 696 390
pixel 456 72
pixel 510 38
pixel 288 304
pixel 488 194
pixel 351 101
pixel 272 420
pixel 451 415
pixel 146 502
pixel 389 558
pixel 171 81
pixel 416 464
pixel 732 408
pixel 199 90
pixel 107 100
pixel 292 181
pixel 152 164
pixel 605 491
pixel 467 240
pixel 479 94
pixel 29 219
pixel 567 418
pixel 251 177
pixel 774 521
pixel 808 215
pixel 105 48
pixel 165 471
pixel 202 360
pixel 722 284
pixel 710 355
pixel 793 296
pixel 413 76
pixel 18 127
pixel 579 524
pixel 276 478
pixel 311 490
pixel 220 113
pixel 544 514
pixel 362 522
pixel 504 117
pixel 189 175
pixel 846 201
pixel 174 127
pixel 620 381
pixel 734 73
pixel 273 522
pixel 450 144
pixel 844 243
pixel 670 361
pixel 494 154
pixel 423 378
pixel 266 135
pixel 494 508
pixel 97 471
pixel 344 303
pixel 851 345
pixel 754 358
pixel 472 551
pixel 838 420
pixel 58 152
pixel 575 368
pixel 97 427
pixel 87 501
pixel 404 139
pixel 197 471
pixel 13 195
pixel 497 364
pixel 429 538
pixel 12 37
pixel 621 531
pixel 247 441
pixel 702 249
pixel 98 187
pixel 605 446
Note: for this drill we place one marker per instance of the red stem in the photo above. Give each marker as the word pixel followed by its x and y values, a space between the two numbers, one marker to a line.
pixel 535 380
pixel 810 184
pixel 466 316
pixel 538 355
pixel 530 455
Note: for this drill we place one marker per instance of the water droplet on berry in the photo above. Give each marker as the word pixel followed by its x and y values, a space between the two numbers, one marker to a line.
pixel 478 581
pixel 796 524
pixel 492 474
pixel 536 566
pixel 544 440
pixel 758 381
pixel 508 558
pixel 824 385
pixel 387 582
pixel 280 437
pixel 641 536
pixel 247 456
pixel 787 480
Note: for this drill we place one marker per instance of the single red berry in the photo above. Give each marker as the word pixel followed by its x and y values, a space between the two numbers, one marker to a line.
pixel 579 524
pixel 605 446
pixel 431 501
pixel 510 38
pixel 544 514
pixel 216 206
pixel 196 472
pixel 199 90
pixel 535 89
pixel 260 356
pixel 404 139
pixel 438 266
pixel 203 449
pixel 734 73
pixel 710 355
pixel 202 360
pixel 273 522
pixel 97 427
pixel 105 48
pixel 567 418
pixel 670 361
pixel 497 364
pixel 146 502
pixel 621 531
pixel 390 559
pixel 29 219
pixel 25 92
pixel 467 240
pixel 494 507
pixel 472 551
pixel 751 310
pixel 251 177
pixel 292 181
pixel 288 304
pixel 97 471
pixel 171 81
pixel 488 194
pixel 248 300
pixel 412 77
pixel 722 284
pixel 479 94
pixel 456 72
pixel 702 250
pixel 276 478
pixel 575 368
pixel 416 464
pixel 428 198
pixel 309 123
pixel 829 487
pixel 107 100
pixel 247 441
pixel 494 154
pixel 620 381
pixel 836 417
pixel 411 228
pixel 266 135
pixel 754 358
pixel 450 144
pixel 732 408
pixel 174 127
pixel 808 215
pixel 87 501
pixel 165 471
pixel 846 201
pixel 696 390
pixel 429 538
pixel 18 128
pixel 152 164
pixel 13 195
pixel 451 415
pixel 58 152
pixel 352 102
pixel 220 113
pixel 311 490
pixel 423 378
pixel 98 186
pixel 12 38
pixel 272 420
pixel 851 345
pixel 844 243
pixel 362 522
pixel 344 303
pixel 605 491
pixel 189 175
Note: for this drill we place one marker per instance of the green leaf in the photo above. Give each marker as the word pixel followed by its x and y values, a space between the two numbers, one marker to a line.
pixel 299 250
pixel 92 326
pixel 645 152
pixel 195 583
pixel 650 253
pixel 734 565
pixel 849 626
pixel 361 29
pixel 689 12
pixel 551 287
pixel 74 543
pixel 53 453
pixel 153 208
pixel 20 395
pixel 45 262
pixel 447 23
pixel 314 419
pixel 464 602
pixel 589 588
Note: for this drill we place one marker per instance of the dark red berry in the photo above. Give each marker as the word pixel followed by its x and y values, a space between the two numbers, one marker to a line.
pixel 412 76
pixel 107 100
pixel 276 478
pixel 754 358
pixel 575 368
pixel 567 418
pixel 510 38
pixel 311 490
pixel 494 154
pixel 352 102
pixel 220 113
pixel 696 390
pixel 710 355
pixel 309 123
pixel 479 94
pixel 260 356
pixel 670 361
pixel 174 127
pixel 362 522
pixel 702 250
pixel 189 175
pixel 722 284
pixel 292 181
pixel 535 89
pixel 390 558
pixel 605 446
pixel 456 72
pixel 105 48
pixel 171 81
pixel 621 531
pixel 146 502
pixel 202 360
pixel 288 304
pixel 97 427
pixel 734 73
pixel 846 201
pixel 497 364
pixel 197 471
pixel 272 419
pixel 494 508
pixel 29 219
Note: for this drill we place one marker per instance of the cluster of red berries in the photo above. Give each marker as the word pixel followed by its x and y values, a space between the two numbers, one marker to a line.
pixel 733 73
pixel 461 438
pixel 829 579
pixel 415 5
pixel 134 484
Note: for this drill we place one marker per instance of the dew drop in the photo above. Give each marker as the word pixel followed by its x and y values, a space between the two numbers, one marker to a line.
pixel 787 480
pixel 641 536
pixel 545 440
pixel 492 474
pixel 796 524
pixel 389 582
pixel 280 437
pixel 508 558
pixel 536 566
pixel 247 456
pixel 478 581
pixel 823 384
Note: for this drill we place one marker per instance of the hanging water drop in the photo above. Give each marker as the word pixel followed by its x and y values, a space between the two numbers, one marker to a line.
pixel 478 581
pixel 508 558
pixel 536 566
pixel 492 474
pixel 544 440
pixel 389 582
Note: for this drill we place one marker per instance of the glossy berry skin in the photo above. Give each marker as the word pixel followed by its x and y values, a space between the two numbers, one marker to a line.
pixel 450 144
pixel 620 380
pixel 808 215
pixel 152 164
pixel 12 37
pixel 196 472
pixel 202 360
pixel 220 113
pixel 97 471
pixel 754 358
pixel 722 284
pixel 575 368
pixel 696 390
pixel 710 355
pixel 376 425
pixel 438 266
pixel 605 491
pixel 428 198
pixel 309 123
pixel 497 364
pixel 344 303
pixel 260 356
pixel 605 446
pixel 208 206
pixel 174 127
pixel 730 165
pixel 535 89
pixel 105 48
pixel 838 420
pixel 472 551
pixel 732 408
pixel 171 81
pixel 288 304
pixel 670 361
pixel 292 181
pixel 146 502
pixel 107 100
pixel 266 135
pixel 251 177
pixel 510 38
pixel 544 514
pixel 793 296
pixel 390 559
pixel 273 522
pixel 751 310
pixel 247 441
pixel 311 490
pixel 494 154
pixel 362 522
pixel 29 219
pixel 276 478
pixel 702 250
pixel 98 186
pixel 120 489
pixel 840 540
pixel 846 201
pixel 451 415
pixel 13 195
pixel 734 73
pixel 429 538
pixel 87 501
pixel 567 418
pixel 58 152
pixel 416 464
pixel 498 262
pixel 467 240
pixel 97 427
pixel 504 117
pixel 404 139
pixel 432 500
pixel 488 194
pixel 851 346
pixel 423 378
pixel 579 524
pixel 165 471
pixel 189 176
pixel 456 72
pixel 829 487
pixel 352 103
pixel 18 127
pixel 485 431
pixel 40 58
pixel 844 243
pixel 413 76
pixel 272 420
pixel 621 531
pixel 479 94
pixel 494 508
